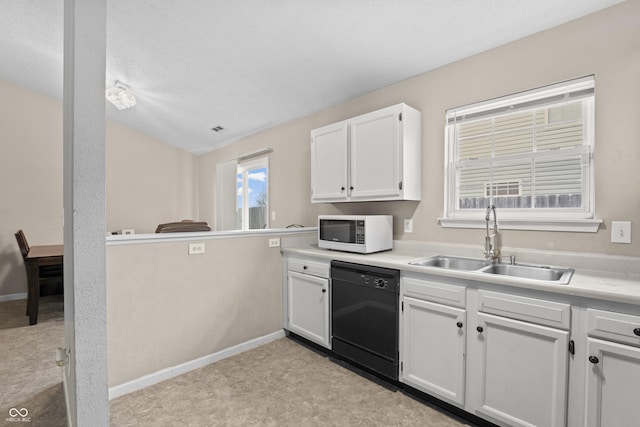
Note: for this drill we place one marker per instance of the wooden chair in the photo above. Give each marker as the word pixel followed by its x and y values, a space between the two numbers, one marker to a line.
pixel 51 276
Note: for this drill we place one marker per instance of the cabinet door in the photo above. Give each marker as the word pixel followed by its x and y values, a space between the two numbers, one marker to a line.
pixel 433 345
pixel 309 307
pixel 329 163
pixel 520 371
pixel 375 154
pixel 613 381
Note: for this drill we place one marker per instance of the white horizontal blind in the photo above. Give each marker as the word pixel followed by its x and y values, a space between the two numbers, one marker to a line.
pixel 529 153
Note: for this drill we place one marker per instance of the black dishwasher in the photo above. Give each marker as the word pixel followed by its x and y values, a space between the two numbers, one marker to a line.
pixel 364 316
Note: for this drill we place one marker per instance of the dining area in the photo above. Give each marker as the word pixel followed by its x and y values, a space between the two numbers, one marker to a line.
pixel 44 270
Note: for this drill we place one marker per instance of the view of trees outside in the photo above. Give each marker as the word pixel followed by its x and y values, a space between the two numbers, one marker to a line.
pixel 255 197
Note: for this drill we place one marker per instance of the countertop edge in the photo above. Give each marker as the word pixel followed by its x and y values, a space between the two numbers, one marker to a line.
pixel 131 239
pixel 598 285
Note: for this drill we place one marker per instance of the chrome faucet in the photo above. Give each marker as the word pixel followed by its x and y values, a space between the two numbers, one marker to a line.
pixel 492 249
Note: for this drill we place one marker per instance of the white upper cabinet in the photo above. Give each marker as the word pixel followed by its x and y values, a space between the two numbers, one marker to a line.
pixel 375 156
pixel 375 151
pixel 329 154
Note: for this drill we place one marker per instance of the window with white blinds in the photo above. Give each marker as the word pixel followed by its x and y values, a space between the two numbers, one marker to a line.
pixel 529 154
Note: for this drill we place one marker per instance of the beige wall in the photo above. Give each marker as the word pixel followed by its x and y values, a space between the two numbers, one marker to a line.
pixel 605 44
pixel 165 307
pixel 148 181
pixel 30 178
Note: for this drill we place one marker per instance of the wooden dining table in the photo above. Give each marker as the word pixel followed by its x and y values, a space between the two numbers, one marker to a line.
pixel 39 256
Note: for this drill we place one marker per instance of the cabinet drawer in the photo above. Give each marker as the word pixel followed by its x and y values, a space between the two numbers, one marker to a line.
pixel 313 268
pixel 443 293
pixel 542 312
pixel 624 328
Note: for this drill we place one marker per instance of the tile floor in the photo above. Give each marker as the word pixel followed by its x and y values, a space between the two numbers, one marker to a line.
pixel 29 376
pixel 280 384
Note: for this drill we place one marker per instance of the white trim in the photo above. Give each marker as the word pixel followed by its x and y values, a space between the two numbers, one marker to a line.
pixel 248 156
pixel 225 194
pixel 130 239
pixel 183 368
pixel 65 389
pixel 574 225
pixel 13 297
pixel 513 100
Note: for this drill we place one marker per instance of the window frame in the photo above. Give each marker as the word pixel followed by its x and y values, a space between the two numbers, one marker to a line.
pixel 548 219
pixel 243 168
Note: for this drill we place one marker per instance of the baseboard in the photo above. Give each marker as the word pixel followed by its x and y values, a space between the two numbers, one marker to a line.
pixel 174 371
pixel 66 398
pixel 12 297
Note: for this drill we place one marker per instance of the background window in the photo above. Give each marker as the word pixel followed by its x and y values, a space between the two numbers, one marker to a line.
pixel 252 196
pixel 529 154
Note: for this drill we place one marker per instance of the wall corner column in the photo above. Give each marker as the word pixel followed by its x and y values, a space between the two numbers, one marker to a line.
pixel 86 379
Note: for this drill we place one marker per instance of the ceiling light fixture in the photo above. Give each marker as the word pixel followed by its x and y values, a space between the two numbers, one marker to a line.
pixel 120 96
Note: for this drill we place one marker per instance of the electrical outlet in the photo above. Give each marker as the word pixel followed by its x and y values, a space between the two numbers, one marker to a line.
pixel 61 356
pixel 620 231
pixel 274 243
pixel 196 248
pixel 408 226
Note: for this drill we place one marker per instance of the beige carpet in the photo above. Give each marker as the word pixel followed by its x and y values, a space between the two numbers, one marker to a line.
pixel 29 377
pixel 280 384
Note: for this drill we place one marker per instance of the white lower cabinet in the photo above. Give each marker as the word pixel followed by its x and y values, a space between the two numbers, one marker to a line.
pixel 433 338
pixel 519 357
pixel 520 371
pixel 613 370
pixel 308 301
pixel 613 384
pixel 502 357
pixel 433 349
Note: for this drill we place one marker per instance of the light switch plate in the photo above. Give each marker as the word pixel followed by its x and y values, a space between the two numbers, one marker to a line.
pixel 620 231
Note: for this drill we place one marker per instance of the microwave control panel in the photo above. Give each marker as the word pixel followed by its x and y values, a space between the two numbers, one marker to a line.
pixel 360 232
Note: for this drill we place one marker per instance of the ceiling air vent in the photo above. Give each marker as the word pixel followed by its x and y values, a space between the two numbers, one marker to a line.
pixel 217 128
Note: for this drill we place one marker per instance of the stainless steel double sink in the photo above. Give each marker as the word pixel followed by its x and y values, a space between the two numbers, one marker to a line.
pixel 557 275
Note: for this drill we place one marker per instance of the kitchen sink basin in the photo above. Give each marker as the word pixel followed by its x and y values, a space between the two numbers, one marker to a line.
pixel 550 274
pixel 558 275
pixel 453 263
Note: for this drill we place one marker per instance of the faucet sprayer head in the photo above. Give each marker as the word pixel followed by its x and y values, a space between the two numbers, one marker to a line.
pixel 488 215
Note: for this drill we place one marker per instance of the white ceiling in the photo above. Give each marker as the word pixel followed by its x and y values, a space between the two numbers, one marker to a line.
pixel 253 64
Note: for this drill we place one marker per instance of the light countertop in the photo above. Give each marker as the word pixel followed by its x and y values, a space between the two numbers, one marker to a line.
pixel 597 276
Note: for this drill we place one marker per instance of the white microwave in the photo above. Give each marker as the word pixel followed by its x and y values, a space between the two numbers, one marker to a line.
pixel 356 233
